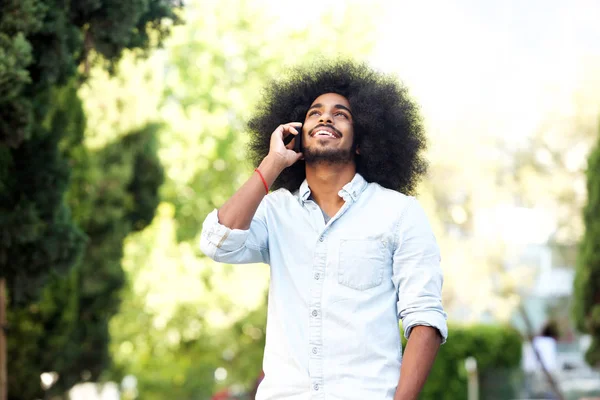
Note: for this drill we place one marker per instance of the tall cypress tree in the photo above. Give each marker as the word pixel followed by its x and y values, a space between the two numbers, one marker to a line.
pixel 42 45
pixel 587 277
pixel 46 49
pixel 114 192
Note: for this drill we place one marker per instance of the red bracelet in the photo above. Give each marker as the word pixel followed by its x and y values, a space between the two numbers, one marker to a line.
pixel 262 178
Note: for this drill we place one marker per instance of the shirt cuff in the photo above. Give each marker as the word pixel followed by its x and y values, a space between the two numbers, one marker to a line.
pixel 434 319
pixel 219 236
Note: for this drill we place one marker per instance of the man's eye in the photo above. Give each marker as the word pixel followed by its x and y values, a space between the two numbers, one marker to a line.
pixel 314 112
pixel 341 114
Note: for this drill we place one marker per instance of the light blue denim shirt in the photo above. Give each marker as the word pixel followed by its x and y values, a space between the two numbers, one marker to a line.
pixel 337 289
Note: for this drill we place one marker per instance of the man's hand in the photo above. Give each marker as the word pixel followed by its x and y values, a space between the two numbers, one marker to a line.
pixel 420 352
pixel 281 154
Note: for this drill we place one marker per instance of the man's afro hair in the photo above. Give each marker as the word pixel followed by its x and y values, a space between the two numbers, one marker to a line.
pixel 388 128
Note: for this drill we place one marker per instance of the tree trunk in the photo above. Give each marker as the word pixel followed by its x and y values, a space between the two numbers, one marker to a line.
pixel 3 325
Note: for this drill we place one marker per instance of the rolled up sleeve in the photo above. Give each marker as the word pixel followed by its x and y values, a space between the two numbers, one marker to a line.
pixel 417 275
pixel 235 246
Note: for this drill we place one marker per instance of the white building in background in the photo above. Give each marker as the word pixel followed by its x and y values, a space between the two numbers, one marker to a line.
pixel 95 391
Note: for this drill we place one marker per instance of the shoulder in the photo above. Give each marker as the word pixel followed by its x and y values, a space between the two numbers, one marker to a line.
pixel 278 197
pixel 281 195
pixel 388 198
pixel 406 210
pixel 274 203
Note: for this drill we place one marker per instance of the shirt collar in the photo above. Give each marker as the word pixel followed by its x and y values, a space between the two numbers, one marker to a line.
pixel 351 190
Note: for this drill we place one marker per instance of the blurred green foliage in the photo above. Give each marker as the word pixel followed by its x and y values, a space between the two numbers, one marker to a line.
pixel 35 326
pixel 37 230
pixel 586 305
pixel 42 42
pixel 114 192
pixel 65 210
pixel 496 349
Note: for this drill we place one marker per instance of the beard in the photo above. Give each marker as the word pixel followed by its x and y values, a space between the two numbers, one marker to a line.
pixel 328 156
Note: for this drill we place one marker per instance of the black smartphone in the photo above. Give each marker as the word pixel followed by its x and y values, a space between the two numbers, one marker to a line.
pixel 298 143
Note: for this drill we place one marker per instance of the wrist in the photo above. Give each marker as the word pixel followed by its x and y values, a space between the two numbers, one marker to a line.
pixel 270 168
pixel 402 394
pixel 273 163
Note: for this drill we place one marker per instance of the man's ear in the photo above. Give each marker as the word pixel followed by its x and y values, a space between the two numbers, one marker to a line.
pixel 357 150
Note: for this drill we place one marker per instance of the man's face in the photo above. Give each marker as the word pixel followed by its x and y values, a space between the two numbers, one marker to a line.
pixel 328 132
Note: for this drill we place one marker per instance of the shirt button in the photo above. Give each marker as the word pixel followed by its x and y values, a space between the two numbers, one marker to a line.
pixel 315 313
pixel 314 350
pixel 316 386
pixel 317 276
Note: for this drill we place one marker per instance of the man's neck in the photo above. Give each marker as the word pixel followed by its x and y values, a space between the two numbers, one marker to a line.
pixel 325 181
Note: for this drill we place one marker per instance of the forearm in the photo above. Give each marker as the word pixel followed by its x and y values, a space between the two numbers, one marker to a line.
pixel 238 211
pixel 419 354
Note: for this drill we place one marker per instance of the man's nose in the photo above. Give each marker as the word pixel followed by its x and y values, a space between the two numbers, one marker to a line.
pixel 325 118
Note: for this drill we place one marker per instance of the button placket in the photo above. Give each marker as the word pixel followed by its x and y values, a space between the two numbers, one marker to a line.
pixel 315 362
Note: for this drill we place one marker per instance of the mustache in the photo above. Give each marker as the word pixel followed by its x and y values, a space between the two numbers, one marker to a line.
pixel 325 126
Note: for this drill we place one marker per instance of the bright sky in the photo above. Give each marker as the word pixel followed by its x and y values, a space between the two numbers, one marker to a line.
pixel 509 63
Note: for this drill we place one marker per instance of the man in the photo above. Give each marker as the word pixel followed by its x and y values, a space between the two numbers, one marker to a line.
pixel 349 251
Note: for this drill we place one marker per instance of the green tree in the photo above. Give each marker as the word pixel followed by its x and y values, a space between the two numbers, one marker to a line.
pixel 43 44
pixel 114 192
pixel 18 21
pixel 586 307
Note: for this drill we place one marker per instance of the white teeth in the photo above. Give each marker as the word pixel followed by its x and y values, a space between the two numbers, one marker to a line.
pixel 324 133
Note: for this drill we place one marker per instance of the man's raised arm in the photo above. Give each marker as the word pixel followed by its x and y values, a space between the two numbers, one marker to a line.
pixel 234 233
pixel 238 211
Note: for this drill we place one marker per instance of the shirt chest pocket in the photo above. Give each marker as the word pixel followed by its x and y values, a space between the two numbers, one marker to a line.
pixel 361 263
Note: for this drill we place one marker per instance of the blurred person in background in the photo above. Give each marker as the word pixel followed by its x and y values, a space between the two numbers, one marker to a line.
pixel 545 343
pixel 350 250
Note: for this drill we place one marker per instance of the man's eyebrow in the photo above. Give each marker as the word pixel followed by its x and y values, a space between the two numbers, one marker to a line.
pixel 343 107
pixel 340 106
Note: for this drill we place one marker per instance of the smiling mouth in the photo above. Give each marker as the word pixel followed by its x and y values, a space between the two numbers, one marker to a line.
pixel 325 132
